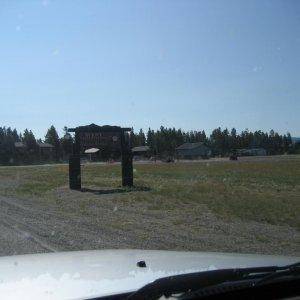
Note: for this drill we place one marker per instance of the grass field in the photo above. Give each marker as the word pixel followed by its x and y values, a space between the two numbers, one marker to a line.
pixel 264 191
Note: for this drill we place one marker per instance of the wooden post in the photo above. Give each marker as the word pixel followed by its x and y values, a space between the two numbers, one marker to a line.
pixel 127 168
pixel 74 172
pixel 74 165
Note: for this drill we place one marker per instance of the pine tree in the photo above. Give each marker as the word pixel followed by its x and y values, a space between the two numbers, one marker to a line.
pixel 29 140
pixel 141 138
pixel 66 142
pixel 52 138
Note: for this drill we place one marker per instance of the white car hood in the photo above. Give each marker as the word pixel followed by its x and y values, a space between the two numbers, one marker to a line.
pixel 88 274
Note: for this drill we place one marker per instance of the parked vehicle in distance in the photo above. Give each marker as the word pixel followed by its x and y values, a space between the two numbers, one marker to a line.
pixel 233 156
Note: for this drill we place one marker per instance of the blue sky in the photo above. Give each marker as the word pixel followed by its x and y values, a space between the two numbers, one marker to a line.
pixel 189 64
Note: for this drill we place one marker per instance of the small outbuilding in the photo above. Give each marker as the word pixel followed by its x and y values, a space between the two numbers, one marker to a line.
pixel 140 152
pixel 46 150
pixel 20 147
pixel 193 151
pixel 252 152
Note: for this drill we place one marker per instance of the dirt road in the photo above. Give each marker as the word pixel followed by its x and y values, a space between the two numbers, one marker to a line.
pixel 16 236
pixel 103 221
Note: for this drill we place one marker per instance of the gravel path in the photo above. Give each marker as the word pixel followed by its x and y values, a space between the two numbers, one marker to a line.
pixel 15 241
pixel 91 221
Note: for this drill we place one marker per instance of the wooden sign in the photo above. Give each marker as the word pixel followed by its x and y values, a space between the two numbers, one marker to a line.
pixel 100 140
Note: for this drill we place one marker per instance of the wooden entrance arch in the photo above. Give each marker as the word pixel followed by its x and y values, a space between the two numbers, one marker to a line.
pixel 114 137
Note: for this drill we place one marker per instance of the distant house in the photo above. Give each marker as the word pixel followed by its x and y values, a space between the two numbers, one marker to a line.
pixel 20 147
pixel 45 150
pixel 140 149
pixel 296 140
pixel 252 152
pixel 193 151
pixel 140 152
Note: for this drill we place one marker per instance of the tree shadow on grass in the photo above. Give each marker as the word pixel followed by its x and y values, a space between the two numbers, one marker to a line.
pixel 104 191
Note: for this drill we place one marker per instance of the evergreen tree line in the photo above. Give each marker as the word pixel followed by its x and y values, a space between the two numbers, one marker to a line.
pixel 221 142
pixel 10 154
pixel 161 142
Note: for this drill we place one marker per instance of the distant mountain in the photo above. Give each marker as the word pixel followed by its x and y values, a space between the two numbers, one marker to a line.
pixel 296 139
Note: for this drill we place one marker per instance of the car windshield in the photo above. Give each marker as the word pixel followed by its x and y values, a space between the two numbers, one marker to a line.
pixel 150 125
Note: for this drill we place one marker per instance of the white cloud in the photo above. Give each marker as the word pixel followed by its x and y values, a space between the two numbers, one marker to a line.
pixel 18 28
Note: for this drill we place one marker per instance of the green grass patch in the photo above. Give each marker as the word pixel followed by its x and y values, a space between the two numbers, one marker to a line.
pixel 262 191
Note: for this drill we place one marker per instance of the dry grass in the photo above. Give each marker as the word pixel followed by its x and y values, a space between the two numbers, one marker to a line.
pixel 264 191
